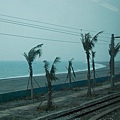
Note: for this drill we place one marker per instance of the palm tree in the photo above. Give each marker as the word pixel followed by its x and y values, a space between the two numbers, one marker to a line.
pixel 93 65
pixel 88 45
pixel 70 68
pixel 116 50
pixel 50 76
pixel 30 57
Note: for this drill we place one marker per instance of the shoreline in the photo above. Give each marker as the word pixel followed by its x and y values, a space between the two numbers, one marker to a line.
pixel 17 84
pixel 99 66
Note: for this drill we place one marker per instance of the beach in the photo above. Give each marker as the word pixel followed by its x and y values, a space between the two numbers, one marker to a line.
pixel 20 83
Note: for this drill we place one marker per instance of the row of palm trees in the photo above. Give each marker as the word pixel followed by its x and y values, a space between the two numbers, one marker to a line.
pixel 88 45
pixel 50 74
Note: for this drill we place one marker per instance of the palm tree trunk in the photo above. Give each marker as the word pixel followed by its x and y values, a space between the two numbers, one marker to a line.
pixel 112 73
pixel 49 103
pixel 31 82
pixel 94 80
pixel 69 74
pixel 88 76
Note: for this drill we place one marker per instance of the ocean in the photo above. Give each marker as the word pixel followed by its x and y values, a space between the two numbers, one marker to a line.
pixel 14 69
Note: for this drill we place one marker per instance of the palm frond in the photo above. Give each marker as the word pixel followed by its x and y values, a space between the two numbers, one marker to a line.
pixel 52 73
pixel 72 59
pixel 46 64
pixel 82 36
pixel 38 46
pixel 87 43
pixel 91 45
pixel 87 36
pixel 34 52
pixel 116 49
pixel 83 41
pixel 53 69
pixel 26 56
pixel 94 39
pixel 57 59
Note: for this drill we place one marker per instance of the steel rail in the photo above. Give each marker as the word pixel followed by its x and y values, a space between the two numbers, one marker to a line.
pixel 88 106
pixel 97 108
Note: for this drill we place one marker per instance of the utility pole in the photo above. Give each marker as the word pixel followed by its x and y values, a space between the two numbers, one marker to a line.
pixel 113 54
pixel 112 62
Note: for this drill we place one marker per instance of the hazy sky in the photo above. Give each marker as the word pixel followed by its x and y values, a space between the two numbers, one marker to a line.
pixel 59 25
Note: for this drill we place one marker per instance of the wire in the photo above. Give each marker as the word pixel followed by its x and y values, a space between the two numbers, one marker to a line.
pixel 39 27
pixel 48 23
pixel 80 29
pixel 21 36
pixel 39 22
pixel 45 39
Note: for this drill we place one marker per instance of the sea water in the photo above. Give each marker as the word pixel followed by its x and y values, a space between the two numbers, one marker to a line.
pixel 12 69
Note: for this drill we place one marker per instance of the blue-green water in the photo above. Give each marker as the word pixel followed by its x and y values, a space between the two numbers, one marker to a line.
pixel 11 69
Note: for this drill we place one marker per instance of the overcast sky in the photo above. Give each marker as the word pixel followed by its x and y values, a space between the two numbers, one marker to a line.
pixel 58 26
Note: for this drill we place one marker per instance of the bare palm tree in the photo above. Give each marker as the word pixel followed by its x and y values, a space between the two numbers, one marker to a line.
pixel 30 57
pixel 116 50
pixel 50 76
pixel 88 44
pixel 69 75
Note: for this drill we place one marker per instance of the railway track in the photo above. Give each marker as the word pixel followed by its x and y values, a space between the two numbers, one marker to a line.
pixel 89 108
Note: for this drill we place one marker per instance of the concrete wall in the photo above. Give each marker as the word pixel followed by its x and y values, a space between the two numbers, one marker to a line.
pixel 26 93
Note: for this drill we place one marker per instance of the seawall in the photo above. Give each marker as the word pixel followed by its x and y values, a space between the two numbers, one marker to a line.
pixel 5 97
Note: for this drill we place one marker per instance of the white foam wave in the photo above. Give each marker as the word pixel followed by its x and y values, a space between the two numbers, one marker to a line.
pixel 97 66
